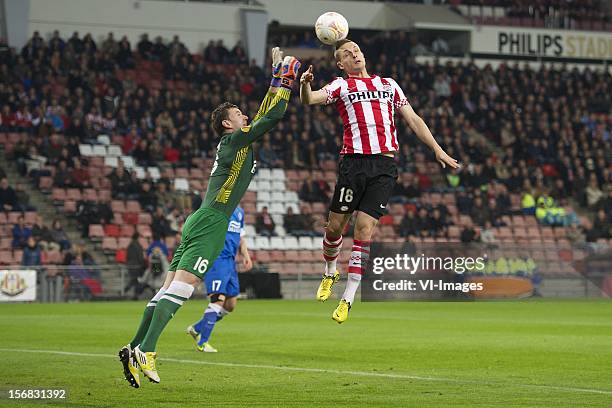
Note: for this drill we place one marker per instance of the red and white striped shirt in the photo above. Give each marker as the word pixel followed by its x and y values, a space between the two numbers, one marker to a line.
pixel 367 107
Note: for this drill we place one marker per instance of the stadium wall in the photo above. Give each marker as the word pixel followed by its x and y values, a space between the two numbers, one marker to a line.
pixel 195 22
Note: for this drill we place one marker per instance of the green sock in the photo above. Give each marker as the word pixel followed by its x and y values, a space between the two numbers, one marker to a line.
pixel 164 311
pixel 144 324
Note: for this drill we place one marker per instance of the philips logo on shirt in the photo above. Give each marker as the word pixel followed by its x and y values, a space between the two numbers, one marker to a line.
pixel 363 96
pixel 234 226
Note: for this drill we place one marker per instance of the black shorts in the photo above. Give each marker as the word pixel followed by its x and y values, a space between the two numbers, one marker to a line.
pixel 365 183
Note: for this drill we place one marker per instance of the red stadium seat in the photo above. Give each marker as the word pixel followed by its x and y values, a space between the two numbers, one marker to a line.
pixel 121 256
pixel 130 218
pixel 127 230
pixel 112 230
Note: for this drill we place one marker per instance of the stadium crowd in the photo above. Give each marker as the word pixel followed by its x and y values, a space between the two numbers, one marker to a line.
pixel 539 133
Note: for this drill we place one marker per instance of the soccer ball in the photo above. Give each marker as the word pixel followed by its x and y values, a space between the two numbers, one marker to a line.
pixel 331 27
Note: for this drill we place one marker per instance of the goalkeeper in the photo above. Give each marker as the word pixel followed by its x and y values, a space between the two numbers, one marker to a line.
pixel 203 234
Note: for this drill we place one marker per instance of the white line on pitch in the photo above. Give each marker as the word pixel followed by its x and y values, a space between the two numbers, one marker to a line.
pixel 329 371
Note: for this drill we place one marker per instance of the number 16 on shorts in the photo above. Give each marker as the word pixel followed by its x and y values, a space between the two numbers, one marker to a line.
pixel 201 265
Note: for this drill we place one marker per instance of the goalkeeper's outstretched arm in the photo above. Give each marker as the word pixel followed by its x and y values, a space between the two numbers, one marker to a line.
pixel 277 62
pixel 273 110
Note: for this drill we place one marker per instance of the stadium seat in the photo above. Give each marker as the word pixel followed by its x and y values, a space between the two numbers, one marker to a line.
pixel 6 257
pixel 85 150
pixel 291 243
pixel 262 243
pixel 144 230
pixel 111 161
pixel 130 218
pixel 5 243
pixel 263 174
pixel 133 206
pixel 70 207
pixel 121 256
pixel 109 244
pixel 249 230
pixel 277 243
pixel 58 195
pixel 73 194
pixel 264 185
pixel 291 197
pixel 264 197
pixel 117 206
pixel 128 162
pixel 144 218
pixel 114 151
pixel 277 196
pixel 127 230
pixel 278 185
pixel 104 140
pixel 294 206
pixel 277 175
pixel 154 173
pixel 181 184
pixel 112 230
pixel 45 184
pixel 13 216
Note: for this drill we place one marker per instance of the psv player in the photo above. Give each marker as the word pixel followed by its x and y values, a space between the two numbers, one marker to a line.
pixel 367 170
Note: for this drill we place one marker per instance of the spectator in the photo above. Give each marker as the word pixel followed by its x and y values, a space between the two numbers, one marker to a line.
pixel 43 237
pixel 31 253
pixel 593 192
pixel 145 47
pixel 159 244
pixel 160 225
pixel 147 197
pixel 264 224
pixel 62 175
pixel 21 233
pixel 121 182
pixel 409 225
pixel 79 176
pixel 135 263
pixel 8 197
pixel 469 234
pixel 601 227
pixel 59 235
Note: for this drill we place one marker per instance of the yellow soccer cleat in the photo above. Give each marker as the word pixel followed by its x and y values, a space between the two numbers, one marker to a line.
pixel 206 348
pixel 325 288
pixel 130 366
pixel 342 311
pixel 146 361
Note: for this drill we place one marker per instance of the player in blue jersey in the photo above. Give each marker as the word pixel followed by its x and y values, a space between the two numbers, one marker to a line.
pixel 221 282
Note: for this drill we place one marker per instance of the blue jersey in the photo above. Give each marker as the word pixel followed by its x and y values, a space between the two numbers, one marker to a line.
pixel 234 232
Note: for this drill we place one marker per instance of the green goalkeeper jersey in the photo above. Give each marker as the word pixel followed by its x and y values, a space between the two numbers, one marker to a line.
pixel 235 162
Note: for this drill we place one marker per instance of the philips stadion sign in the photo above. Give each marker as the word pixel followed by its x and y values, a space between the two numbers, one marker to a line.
pixel 511 41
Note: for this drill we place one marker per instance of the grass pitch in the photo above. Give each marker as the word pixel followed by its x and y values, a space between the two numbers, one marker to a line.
pixel 289 354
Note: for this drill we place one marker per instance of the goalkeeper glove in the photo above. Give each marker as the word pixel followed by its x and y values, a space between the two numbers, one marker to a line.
pixel 277 63
pixel 291 66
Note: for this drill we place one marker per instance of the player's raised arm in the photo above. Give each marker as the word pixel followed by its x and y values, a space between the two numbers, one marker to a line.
pixel 275 83
pixel 276 109
pixel 419 127
pixel 307 95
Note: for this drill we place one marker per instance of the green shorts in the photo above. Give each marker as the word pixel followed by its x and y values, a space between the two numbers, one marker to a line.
pixel 202 240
